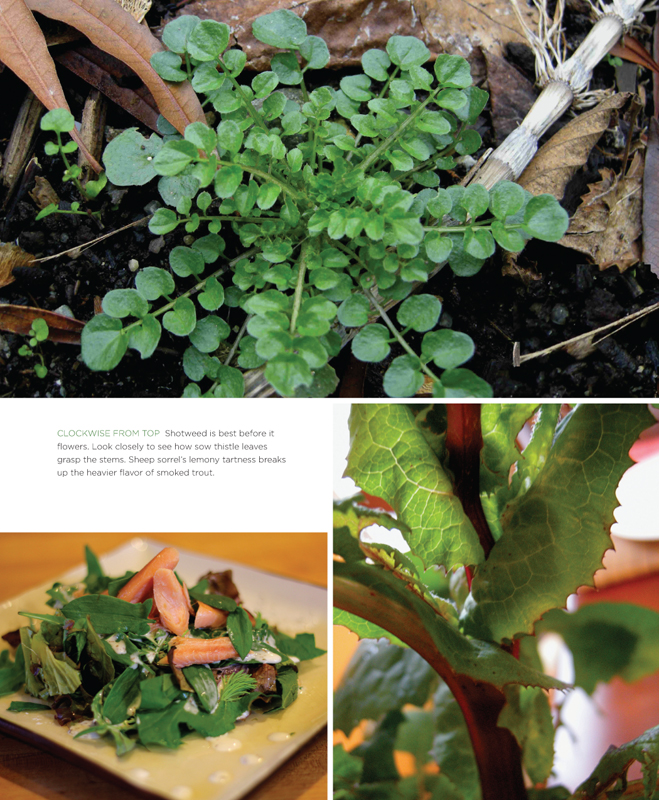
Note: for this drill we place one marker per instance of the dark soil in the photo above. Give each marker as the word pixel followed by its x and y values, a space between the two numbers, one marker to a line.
pixel 555 295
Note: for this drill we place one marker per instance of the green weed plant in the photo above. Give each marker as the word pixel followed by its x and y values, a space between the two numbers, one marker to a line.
pixel 333 204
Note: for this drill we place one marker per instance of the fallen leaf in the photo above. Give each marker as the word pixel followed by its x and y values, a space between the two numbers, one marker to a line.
pixel 108 75
pixel 43 193
pixel 557 160
pixel 651 199
pixel 349 26
pixel 632 50
pixel 608 222
pixel 23 49
pixel 511 95
pixel 11 255
pixel 19 319
pixel 467 28
pixel 112 29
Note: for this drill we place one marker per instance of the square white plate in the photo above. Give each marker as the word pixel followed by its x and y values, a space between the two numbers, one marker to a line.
pixel 228 766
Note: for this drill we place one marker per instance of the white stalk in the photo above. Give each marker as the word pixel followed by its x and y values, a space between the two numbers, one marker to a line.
pixel 565 81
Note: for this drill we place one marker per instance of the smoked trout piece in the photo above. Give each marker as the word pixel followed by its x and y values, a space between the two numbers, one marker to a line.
pixel 140 586
pixel 188 651
pixel 171 601
pixel 208 617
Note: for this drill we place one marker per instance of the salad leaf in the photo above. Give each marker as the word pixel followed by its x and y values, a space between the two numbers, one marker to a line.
pixel 17 705
pixel 46 675
pixel 96 667
pixel 96 580
pixel 287 686
pixel 110 615
pixel 203 682
pixel 239 627
pixel 219 601
pixel 123 696
pixel 12 673
pixel 303 646
pixel 158 693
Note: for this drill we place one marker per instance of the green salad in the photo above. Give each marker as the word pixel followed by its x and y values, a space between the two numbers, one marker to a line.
pixel 144 659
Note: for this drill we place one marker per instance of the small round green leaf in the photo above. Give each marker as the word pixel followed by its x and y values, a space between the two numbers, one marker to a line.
pixel 506 199
pixel 475 200
pixel 232 382
pixel 453 71
pixel 210 247
pixel 478 243
pixel 276 251
pixel 267 196
pixel 286 372
pixel 356 87
pixel 58 119
pixel 227 180
pixel 152 283
pixel 206 78
pixel 230 135
pixel 353 312
pixel 208 333
pixel 185 261
pixel 145 337
pixel 129 158
pixel 168 66
pixel 315 52
pixel 282 29
pixel 172 158
pixel 419 312
pixel 120 303
pixel 40 329
pixel 208 40
pixel 407 51
pixel 545 219
pixel 508 239
pixel 264 84
pixel 403 378
pixel 376 63
pixel 287 68
pixel 213 295
pixel 464 383
pixel 181 320
pixel 447 348
pixel 175 34
pixel 163 221
pixel 438 247
pixel 103 342
pixel 201 136
pixel 371 343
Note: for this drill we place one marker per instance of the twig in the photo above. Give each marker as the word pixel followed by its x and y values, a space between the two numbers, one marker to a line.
pixel 87 245
pixel 612 326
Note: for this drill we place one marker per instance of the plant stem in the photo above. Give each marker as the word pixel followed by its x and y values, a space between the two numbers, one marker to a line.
pixel 399 338
pixel 299 286
pixel 246 102
pixel 497 753
pixel 464 443
pixel 392 138
pixel 266 177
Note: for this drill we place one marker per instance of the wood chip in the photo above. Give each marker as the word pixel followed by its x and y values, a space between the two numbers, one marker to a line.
pixel 11 255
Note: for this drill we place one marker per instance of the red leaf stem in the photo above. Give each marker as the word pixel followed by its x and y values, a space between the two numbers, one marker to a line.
pixel 464 443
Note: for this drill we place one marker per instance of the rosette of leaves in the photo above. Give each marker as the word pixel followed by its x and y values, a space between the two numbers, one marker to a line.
pixel 334 198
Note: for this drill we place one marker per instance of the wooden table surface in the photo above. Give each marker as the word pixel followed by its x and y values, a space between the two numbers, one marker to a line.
pixel 28 559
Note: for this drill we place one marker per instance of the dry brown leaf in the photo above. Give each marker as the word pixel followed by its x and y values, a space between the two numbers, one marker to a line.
pixel 43 193
pixel 651 199
pixel 351 26
pixel 23 49
pixel 557 160
pixel 114 30
pixel 19 319
pixel 11 255
pixel 463 27
pixel 632 50
pixel 608 222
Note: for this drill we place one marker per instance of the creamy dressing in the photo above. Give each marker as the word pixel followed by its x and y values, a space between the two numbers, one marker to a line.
pixel 263 656
pixel 251 759
pixel 191 706
pixel 221 776
pixel 119 646
pixel 224 743
pixel 140 774
pixel 279 736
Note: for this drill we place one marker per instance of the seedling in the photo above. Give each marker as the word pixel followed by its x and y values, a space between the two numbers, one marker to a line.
pixel 497 541
pixel 329 201
pixel 38 333
pixel 60 121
